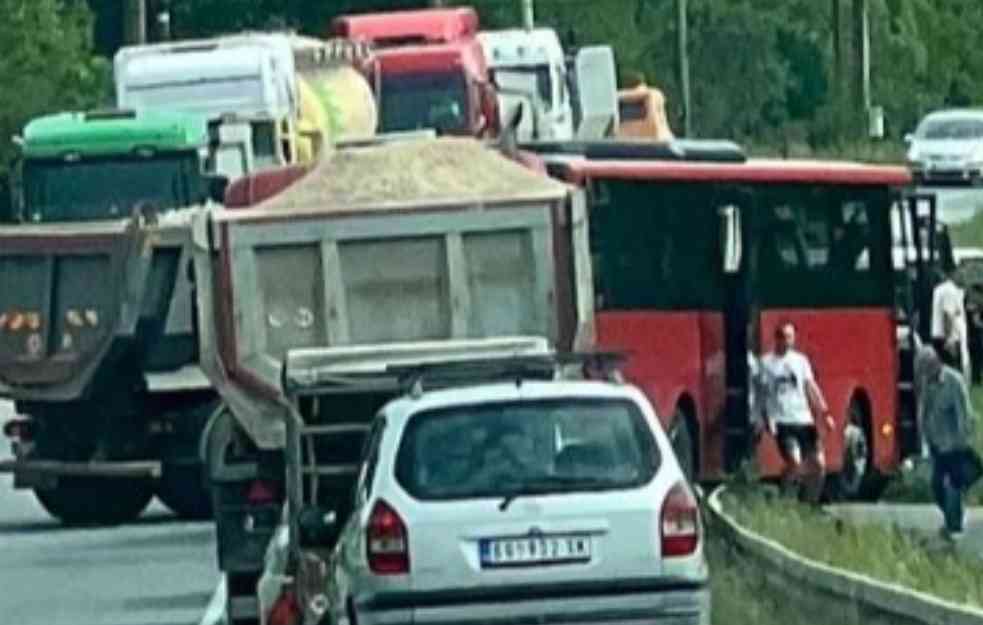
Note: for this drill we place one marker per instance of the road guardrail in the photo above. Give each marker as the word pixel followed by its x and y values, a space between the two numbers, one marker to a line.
pixel 837 595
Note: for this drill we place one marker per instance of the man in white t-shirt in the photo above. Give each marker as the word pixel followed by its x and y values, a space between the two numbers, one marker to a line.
pixel 950 335
pixel 792 399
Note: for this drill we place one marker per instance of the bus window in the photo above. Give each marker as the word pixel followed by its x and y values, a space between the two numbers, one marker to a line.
pixel 650 249
pixel 823 246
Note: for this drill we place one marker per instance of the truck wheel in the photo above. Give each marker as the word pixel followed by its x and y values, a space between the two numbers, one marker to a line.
pixel 183 490
pixel 77 501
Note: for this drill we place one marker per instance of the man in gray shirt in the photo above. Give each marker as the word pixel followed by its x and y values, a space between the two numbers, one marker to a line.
pixel 947 423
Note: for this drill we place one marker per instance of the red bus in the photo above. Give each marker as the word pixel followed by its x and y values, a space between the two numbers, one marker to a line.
pixel 696 262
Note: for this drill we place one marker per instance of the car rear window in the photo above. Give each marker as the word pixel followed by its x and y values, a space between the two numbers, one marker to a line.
pixel 529 447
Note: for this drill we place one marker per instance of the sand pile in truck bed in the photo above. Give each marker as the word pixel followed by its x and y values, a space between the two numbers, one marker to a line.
pixel 413 171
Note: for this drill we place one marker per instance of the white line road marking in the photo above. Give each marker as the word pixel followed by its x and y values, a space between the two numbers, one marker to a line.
pixel 215 614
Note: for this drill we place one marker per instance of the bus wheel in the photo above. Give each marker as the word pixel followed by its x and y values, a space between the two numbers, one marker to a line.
pixel 858 479
pixel 681 437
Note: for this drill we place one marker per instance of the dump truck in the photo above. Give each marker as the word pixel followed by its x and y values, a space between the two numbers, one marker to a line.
pixel 403 248
pixel 97 341
pixel 277 94
pixel 430 69
pixel 111 194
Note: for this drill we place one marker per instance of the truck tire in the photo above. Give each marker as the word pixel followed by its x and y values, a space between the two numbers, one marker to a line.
pixel 87 501
pixel 184 491
pixel 183 487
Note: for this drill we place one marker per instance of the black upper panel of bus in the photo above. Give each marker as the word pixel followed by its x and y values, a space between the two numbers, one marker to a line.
pixel 611 149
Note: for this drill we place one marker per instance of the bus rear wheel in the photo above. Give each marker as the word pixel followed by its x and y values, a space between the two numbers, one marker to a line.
pixel 858 479
pixel 681 437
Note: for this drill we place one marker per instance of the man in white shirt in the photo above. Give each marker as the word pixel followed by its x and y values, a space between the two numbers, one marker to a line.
pixel 950 335
pixel 792 399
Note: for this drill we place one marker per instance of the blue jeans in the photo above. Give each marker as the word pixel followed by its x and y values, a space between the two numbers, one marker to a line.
pixel 948 496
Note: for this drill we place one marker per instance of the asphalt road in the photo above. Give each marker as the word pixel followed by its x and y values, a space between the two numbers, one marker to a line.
pixel 917 517
pixel 158 571
pixel 957 204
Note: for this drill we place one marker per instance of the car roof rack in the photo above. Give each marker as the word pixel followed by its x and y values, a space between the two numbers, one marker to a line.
pixel 699 150
pixel 442 375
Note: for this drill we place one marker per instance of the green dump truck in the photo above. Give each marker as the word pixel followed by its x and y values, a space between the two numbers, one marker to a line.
pixel 98 346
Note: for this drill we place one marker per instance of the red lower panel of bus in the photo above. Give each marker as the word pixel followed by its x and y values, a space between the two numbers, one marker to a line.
pixel 854 358
pixel 678 360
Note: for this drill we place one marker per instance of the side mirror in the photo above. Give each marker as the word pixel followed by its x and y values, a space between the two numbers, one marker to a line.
pixel 909 138
pixel 217 184
pixel 318 526
pixel 730 238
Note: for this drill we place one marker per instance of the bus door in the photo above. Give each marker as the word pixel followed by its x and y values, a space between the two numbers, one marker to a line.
pixel 733 209
pixel 922 250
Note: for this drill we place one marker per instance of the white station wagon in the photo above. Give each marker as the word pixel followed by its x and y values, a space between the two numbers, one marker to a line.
pixel 527 501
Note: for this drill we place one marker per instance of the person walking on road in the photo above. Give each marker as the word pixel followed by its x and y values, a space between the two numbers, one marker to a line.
pixel 793 398
pixel 947 422
pixel 949 331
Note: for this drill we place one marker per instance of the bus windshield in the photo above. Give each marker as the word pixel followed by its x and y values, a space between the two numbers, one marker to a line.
pixel 656 246
pixel 110 187
pixel 421 101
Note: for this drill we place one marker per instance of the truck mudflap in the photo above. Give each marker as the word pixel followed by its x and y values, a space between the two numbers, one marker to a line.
pixel 66 292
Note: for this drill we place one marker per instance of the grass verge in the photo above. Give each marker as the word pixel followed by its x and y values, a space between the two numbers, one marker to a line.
pixel 740 596
pixel 883 553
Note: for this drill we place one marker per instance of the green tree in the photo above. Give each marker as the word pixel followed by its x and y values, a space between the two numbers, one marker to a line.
pixel 47 65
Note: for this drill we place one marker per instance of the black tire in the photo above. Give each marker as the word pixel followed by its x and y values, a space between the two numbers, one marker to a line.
pixel 681 438
pixel 185 492
pixel 240 585
pixel 102 501
pixel 858 480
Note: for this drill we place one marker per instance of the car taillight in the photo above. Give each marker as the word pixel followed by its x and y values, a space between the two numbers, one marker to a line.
pixel 261 493
pixel 680 523
pixel 18 430
pixel 286 610
pixel 387 543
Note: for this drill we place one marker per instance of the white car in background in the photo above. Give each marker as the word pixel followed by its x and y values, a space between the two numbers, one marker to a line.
pixel 520 501
pixel 948 147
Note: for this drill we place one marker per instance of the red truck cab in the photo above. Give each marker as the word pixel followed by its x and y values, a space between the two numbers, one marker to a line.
pixel 431 70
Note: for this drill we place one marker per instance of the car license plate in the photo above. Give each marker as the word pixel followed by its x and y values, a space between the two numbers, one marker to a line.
pixel 533 550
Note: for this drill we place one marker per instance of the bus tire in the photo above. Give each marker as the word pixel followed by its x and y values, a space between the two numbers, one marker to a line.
pixel 682 438
pixel 857 480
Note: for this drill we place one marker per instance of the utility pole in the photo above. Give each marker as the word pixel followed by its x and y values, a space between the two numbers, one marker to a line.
pixel 837 20
pixel 682 26
pixel 861 37
pixel 528 15
pixel 135 21
pixel 163 20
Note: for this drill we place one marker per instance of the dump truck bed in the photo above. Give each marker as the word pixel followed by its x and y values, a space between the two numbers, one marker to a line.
pixel 423 240
pixel 76 297
pixel 414 175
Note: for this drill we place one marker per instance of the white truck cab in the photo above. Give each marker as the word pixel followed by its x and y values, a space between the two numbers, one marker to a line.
pixel 249 77
pixel 530 65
